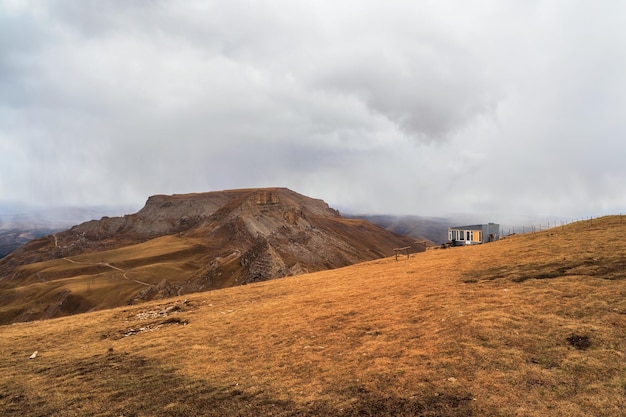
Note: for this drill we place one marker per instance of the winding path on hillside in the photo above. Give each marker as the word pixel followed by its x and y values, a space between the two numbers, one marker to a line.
pixel 108 265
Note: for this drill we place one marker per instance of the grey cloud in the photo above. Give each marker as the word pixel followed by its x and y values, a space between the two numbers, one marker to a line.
pixel 426 102
pixel 472 106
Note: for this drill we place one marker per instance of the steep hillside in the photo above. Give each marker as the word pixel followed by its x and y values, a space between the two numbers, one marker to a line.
pixel 181 244
pixel 533 325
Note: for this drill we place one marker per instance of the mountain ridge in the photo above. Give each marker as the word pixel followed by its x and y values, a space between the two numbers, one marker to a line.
pixel 187 243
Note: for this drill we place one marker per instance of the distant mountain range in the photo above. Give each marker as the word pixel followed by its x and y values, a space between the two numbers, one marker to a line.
pixel 21 223
pixel 28 216
pixel 434 229
pixel 13 238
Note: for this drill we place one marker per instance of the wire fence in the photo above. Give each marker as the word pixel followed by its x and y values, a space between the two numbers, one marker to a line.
pixel 510 230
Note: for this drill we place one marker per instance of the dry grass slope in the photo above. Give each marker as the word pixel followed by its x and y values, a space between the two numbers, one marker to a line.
pixel 533 325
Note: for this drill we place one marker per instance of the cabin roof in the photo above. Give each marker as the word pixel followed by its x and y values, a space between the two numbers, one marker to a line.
pixel 472 227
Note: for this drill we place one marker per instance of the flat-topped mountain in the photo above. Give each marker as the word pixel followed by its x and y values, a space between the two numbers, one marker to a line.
pixel 184 243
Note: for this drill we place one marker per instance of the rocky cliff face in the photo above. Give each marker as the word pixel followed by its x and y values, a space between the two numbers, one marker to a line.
pixel 200 242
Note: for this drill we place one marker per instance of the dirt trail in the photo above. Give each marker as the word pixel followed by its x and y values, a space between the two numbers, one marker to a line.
pixel 108 265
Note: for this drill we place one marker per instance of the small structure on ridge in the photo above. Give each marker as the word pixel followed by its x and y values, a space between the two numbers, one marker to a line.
pixel 474 234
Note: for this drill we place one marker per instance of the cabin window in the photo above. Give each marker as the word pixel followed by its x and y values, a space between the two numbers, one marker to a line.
pixel 462 235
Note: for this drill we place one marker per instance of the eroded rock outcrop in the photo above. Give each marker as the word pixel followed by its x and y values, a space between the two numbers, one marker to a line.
pixel 196 242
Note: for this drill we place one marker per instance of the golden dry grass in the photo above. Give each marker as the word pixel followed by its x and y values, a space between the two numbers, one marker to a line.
pixel 533 325
pixel 97 280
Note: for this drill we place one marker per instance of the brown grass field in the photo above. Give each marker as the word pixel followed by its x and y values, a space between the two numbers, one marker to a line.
pixel 533 325
pixel 97 280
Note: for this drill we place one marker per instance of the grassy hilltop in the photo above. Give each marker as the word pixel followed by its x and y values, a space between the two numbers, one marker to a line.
pixel 534 325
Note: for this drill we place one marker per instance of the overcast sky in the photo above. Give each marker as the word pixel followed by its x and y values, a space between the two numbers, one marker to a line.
pixel 499 109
